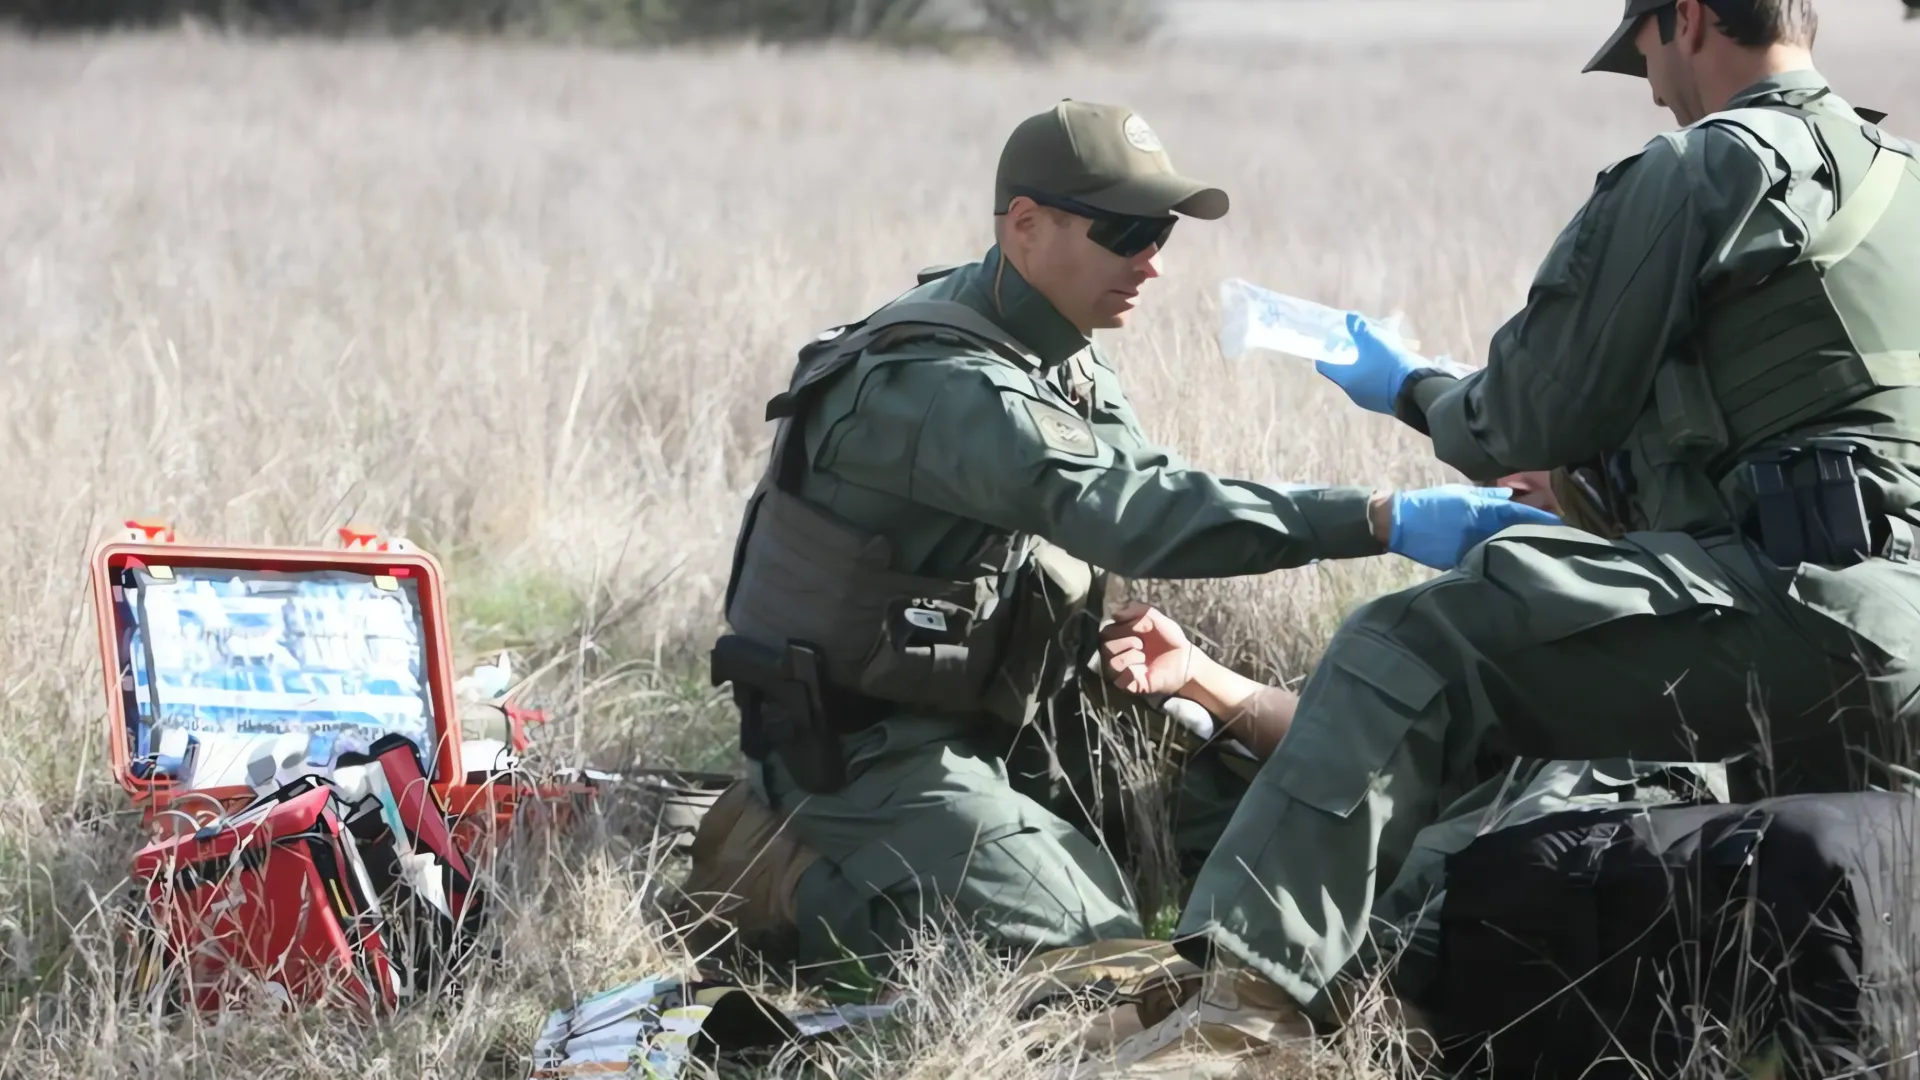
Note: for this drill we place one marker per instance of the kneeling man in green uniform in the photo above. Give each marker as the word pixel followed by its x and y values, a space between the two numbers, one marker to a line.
pixel 918 584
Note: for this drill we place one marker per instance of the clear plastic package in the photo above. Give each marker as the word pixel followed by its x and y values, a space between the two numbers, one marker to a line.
pixel 1253 317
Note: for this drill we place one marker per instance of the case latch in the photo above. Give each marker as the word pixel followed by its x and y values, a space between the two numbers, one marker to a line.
pixel 149 531
pixel 359 538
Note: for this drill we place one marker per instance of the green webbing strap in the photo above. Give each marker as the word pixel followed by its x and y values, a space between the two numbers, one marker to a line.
pixel 1850 224
pixel 954 316
pixel 1809 394
pixel 1894 368
pixel 936 314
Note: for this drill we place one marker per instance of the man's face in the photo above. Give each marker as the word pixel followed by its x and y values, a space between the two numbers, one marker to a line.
pixel 1091 286
pixel 1670 64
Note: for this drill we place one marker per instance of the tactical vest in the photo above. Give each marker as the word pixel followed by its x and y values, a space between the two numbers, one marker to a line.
pixel 821 598
pixel 1780 363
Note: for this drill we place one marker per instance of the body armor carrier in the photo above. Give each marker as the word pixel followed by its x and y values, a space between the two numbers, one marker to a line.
pixel 828 638
pixel 1754 423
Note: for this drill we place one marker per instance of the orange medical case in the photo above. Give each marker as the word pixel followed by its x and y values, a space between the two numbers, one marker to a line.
pixel 218 677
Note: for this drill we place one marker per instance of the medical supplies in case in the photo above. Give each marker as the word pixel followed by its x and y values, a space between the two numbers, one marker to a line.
pixel 232 670
pixel 287 718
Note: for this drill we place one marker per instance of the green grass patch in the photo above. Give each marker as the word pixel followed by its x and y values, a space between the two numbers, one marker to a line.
pixel 497 607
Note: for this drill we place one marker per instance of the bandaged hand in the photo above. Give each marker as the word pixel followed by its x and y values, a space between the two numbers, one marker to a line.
pixel 1149 654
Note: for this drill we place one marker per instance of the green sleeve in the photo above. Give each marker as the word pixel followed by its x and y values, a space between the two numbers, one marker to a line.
pixel 1568 375
pixel 963 435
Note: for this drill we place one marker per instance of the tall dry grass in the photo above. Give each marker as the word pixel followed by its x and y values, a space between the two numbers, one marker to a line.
pixel 527 304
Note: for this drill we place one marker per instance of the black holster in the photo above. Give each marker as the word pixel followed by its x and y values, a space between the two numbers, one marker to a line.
pixel 787 709
pixel 1809 506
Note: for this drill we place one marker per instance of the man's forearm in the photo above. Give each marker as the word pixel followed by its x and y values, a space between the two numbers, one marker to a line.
pixel 1254 713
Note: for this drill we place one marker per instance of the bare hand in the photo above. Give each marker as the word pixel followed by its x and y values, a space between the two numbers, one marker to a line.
pixel 1533 488
pixel 1146 652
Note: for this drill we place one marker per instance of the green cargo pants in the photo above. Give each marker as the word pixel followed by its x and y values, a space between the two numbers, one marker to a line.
pixel 1548 643
pixel 928 834
pixel 934 825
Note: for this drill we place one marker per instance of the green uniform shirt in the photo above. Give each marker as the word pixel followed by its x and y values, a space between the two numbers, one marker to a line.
pixel 1566 378
pixel 937 445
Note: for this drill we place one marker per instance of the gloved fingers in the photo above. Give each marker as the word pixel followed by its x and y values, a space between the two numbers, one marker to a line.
pixel 1526 514
pixel 1365 337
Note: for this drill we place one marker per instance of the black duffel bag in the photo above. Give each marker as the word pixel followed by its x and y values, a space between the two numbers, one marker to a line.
pixel 1777 938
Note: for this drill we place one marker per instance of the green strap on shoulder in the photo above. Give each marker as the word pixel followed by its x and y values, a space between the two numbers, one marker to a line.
pixel 953 316
pixel 1850 224
pixel 942 314
pixel 1894 368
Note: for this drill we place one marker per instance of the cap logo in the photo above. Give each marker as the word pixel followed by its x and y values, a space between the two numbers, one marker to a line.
pixel 1140 135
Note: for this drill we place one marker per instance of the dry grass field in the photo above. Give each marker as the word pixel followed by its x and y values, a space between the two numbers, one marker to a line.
pixel 527 303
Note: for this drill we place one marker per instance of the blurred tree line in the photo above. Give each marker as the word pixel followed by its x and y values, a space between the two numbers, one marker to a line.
pixel 1030 25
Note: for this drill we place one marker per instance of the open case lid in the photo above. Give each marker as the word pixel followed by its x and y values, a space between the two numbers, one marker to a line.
pixel 212 654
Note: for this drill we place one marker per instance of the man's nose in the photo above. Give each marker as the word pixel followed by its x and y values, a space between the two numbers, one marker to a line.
pixel 1148 261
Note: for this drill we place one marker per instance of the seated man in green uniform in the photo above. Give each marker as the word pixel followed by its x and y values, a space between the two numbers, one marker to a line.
pixel 1726 342
pixel 918 584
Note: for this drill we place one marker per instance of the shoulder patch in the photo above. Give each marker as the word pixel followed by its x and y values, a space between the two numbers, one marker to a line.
pixel 1061 430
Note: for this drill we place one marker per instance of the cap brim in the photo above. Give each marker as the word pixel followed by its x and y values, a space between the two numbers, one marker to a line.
pixel 1619 55
pixel 1153 196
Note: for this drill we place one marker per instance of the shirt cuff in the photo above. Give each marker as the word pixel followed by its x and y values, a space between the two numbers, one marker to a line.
pixel 1444 403
pixel 1342 526
pixel 1410 405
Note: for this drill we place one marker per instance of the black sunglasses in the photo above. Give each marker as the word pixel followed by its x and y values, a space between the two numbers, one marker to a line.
pixel 1123 234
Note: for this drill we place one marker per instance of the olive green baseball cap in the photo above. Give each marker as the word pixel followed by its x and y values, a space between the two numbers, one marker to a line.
pixel 1104 156
pixel 1619 55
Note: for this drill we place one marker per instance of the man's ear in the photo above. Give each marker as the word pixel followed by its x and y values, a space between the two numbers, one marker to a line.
pixel 1020 224
pixel 1693 20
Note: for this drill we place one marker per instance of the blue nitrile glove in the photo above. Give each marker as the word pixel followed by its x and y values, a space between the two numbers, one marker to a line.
pixel 1437 526
pixel 1374 378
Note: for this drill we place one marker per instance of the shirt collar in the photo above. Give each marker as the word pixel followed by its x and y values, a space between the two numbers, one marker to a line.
pixel 995 289
pixel 1800 87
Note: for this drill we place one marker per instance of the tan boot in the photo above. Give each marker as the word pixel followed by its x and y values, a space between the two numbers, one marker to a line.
pixel 746 866
pixel 1149 977
pixel 1236 1019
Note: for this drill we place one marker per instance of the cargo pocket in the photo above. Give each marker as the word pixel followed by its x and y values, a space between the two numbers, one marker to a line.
pixel 1332 761
pixel 903 861
pixel 1568 581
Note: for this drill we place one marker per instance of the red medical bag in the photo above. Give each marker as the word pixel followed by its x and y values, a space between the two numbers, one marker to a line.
pixel 275 899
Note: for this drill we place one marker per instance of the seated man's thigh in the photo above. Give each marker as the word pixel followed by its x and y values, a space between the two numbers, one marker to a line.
pixel 933 835
pixel 1570 647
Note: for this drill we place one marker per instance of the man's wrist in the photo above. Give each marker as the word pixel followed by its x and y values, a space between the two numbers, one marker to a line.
pixel 1380 516
pixel 1407 407
pixel 1211 686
